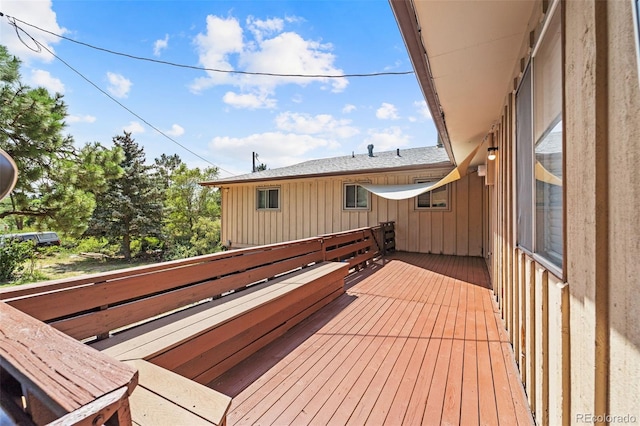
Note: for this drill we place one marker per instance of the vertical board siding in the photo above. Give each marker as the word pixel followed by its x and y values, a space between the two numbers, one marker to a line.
pixel 462 217
pixel 310 207
pixel 558 351
pixel 541 346
pixel 534 303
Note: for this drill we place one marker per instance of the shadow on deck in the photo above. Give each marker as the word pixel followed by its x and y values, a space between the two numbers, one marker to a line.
pixel 416 339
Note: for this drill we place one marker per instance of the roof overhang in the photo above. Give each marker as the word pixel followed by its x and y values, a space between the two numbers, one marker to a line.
pixel 466 55
pixel 417 167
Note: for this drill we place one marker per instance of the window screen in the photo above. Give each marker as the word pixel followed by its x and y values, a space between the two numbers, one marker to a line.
pixel 355 197
pixel 438 198
pixel 524 162
pixel 268 198
pixel 547 82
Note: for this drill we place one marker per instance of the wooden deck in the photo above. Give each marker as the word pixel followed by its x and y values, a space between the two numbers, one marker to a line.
pixel 416 339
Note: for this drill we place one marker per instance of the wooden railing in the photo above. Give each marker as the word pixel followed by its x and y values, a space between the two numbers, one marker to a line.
pixel 48 377
pixel 359 246
pixel 92 307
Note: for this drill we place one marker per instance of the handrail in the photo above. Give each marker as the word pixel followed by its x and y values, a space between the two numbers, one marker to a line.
pixel 47 374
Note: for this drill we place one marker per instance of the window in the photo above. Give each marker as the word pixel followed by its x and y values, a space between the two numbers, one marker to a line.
pixel 355 197
pixel 436 199
pixel 539 149
pixel 268 198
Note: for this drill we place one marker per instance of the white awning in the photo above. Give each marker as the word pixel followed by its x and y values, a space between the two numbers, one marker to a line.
pixel 402 192
pixel 544 175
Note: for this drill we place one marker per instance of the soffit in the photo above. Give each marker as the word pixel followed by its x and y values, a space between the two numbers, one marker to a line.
pixel 474 48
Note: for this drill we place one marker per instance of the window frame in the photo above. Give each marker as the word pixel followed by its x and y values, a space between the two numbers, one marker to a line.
pixel 537 253
pixel 268 189
pixel 432 208
pixel 344 197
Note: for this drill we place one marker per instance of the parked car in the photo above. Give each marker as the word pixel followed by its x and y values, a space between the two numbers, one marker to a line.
pixel 41 239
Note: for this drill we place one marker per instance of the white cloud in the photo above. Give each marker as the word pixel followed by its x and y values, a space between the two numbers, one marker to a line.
pixel 160 45
pixel 39 13
pixel 176 130
pixel 119 85
pixel 261 28
pixel 386 139
pixel 264 48
pixel 387 111
pixel 44 79
pixel 289 53
pixel 276 149
pixel 422 109
pixel 133 127
pixel 80 119
pixel 324 124
pixel 348 108
pixel 249 100
pixel 222 38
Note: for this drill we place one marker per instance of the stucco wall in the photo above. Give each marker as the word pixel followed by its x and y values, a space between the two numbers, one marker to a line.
pixel 311 207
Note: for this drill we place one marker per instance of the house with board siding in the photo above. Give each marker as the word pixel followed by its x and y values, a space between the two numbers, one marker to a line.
pixel 552 87
pixel 325 196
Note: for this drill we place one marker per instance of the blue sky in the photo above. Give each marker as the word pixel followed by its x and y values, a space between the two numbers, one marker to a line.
pixel 225 117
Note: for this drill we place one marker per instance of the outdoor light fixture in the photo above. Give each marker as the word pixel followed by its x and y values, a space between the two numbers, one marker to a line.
pixel 492 152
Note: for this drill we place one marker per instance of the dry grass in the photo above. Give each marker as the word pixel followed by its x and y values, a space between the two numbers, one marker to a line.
pixel 64 265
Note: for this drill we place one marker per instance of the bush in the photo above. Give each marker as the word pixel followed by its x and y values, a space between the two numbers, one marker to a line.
pixel 179 251
pixel 96 245
pixel 13 256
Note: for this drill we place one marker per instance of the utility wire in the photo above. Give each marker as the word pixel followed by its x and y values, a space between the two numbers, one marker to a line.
pixel 38 48
pixel 158 61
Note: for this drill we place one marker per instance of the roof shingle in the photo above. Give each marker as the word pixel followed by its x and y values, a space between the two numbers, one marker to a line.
pixel 409 158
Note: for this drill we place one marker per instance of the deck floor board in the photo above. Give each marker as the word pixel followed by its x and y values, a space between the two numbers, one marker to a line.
pixel 416 339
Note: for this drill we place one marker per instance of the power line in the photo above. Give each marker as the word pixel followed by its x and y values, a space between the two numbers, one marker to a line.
pixel 158 61
pixel 40 46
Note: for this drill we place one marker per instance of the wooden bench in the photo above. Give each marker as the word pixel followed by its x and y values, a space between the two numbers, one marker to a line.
pixel 163 397
pixel 204 341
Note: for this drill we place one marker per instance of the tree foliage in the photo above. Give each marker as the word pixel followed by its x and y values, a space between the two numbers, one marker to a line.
pixel 95 191
pixel 13 255
pixel 57 182
pixel 131 206
pixel 192 211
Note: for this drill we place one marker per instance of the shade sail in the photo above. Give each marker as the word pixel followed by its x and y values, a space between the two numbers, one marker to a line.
pixel 544 175
pixel 402 192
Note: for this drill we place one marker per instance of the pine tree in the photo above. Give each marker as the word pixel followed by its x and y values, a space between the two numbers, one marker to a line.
pixel 131 207
pixel 56 181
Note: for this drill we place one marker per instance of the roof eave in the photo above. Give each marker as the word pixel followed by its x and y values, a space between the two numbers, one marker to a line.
pixel 409 29
pixel 329 174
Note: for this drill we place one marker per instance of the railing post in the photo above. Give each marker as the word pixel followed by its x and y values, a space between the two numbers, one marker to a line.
pixel 324 249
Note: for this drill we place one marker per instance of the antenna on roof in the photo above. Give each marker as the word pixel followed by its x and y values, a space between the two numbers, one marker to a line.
pixel 254 157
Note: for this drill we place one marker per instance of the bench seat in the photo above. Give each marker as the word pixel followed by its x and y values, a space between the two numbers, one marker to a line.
pixel 203 342
pixel 163 397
